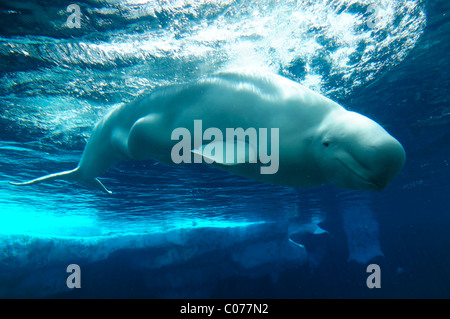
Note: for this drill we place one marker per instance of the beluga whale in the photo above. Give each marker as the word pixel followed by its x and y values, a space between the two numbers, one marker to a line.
pixel 258 125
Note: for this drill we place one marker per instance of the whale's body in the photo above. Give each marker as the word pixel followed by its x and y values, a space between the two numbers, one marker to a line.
pixel 319 141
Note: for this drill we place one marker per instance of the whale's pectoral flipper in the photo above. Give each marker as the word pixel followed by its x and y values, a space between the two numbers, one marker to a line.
pixel 68 176
pixel 227 153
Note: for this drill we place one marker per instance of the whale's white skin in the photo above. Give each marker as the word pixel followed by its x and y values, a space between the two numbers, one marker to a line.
pixel 319 141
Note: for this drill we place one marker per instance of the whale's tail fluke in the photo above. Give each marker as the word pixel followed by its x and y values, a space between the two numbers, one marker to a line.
pixel 72 175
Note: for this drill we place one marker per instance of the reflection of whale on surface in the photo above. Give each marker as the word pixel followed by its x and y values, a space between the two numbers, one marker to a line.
pixel 311 237
pixel 319 141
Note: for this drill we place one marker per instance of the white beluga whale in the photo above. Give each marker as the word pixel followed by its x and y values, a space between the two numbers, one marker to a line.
pixel 300 137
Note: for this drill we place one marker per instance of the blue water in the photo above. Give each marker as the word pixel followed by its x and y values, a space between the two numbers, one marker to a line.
pixel 198 232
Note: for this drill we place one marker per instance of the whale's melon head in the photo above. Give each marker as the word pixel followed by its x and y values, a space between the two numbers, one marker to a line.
pixel 354 152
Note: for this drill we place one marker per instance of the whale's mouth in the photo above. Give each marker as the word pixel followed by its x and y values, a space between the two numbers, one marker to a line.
pixel 370 183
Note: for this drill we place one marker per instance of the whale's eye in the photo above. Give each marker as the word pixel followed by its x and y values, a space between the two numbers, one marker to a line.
pixel 326 144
